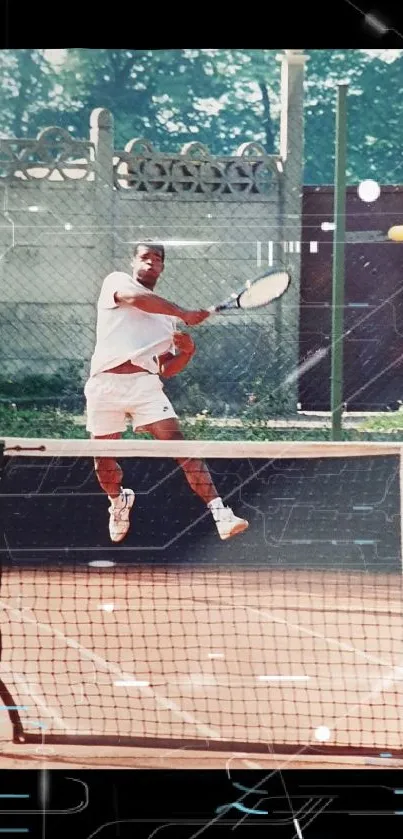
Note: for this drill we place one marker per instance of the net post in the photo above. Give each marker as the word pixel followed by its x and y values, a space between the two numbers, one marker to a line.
pixel 338 263
pixel 5 695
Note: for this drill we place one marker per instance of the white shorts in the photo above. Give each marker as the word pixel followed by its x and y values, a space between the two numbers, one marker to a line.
pixel 115 398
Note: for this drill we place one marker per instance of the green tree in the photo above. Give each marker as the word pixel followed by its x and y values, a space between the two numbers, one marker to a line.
pixel 221 98
pixel 374 113
pixel 218 97
pixel 27 86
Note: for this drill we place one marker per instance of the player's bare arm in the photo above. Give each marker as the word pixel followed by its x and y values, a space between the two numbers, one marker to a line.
pixel 155 305
pixel 170 364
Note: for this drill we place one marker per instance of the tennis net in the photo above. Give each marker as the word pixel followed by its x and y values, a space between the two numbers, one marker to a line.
pixel 286 638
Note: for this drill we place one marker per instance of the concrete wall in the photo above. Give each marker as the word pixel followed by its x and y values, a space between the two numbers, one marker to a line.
pixel 73 208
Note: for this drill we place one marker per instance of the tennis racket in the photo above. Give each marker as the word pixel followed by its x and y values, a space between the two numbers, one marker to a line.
pixel 260 292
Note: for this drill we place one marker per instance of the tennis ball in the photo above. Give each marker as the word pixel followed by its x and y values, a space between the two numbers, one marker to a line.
pixel 396 233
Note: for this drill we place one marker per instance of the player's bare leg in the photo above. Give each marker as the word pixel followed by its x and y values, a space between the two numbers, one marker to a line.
pixel 199 479
pixel 107 469
pixel 110 477
pixel 196 471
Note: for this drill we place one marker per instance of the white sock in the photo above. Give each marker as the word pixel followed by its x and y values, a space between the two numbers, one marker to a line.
pixel 119 501
pixel 216 504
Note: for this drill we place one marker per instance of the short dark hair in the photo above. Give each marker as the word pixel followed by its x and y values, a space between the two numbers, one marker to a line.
pixel 152 246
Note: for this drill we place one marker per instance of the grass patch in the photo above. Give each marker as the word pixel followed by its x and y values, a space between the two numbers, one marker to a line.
pixel 39 422
pixel 54 423
pixel 385 423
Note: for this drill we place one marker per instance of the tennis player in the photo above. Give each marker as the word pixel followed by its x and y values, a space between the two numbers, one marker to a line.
pixel 137 343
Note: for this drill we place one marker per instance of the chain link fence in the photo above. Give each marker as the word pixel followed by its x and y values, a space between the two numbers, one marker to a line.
pixel 72 212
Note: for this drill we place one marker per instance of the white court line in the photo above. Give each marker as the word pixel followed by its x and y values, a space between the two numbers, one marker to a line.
pixel 167 704
pixel 283 678
pixel 300 628
pixel 331 641
pixel 290 593
pixel 337 605
pixel 336 610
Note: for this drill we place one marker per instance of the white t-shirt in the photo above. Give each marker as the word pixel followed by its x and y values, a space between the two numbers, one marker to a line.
pixel 125 333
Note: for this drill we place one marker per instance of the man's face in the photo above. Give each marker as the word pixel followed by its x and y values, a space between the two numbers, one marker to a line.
pixel 147 266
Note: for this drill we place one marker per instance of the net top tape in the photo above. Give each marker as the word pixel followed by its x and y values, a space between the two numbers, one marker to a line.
pixel 53 447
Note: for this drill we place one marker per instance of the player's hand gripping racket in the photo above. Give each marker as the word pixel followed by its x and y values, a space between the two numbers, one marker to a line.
pixel 260 292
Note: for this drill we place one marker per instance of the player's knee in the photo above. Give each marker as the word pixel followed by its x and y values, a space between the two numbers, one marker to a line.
pixel 105 465
pixel 191 466
pixel 186 462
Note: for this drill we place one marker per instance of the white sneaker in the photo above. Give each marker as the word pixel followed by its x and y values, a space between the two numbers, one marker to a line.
pixel 228 524
pixel 119 515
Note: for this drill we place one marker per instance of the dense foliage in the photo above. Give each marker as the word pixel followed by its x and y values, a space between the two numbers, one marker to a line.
pixel 219 97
